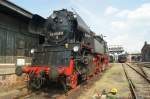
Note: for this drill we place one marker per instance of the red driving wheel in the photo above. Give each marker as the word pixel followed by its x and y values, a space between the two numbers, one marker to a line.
pixel 73 80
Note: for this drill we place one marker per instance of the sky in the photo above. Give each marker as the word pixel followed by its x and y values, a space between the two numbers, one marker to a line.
pixel 123 22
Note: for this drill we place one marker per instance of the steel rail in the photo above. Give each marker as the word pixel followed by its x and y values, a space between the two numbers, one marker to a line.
pixel 142 70
pixel 143 76
pixel 147 67
pixel 131 85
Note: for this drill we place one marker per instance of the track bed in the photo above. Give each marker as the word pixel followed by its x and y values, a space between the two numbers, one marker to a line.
pixel 139 83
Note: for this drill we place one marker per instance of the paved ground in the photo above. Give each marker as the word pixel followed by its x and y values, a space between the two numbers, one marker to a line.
pixel 113 78
pixel 9 82
pixel 7 70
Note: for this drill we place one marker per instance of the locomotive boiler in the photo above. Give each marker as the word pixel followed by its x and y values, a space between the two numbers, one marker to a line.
pixel 69 52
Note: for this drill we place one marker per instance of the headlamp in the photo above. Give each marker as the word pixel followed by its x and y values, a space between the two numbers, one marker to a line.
pixel 32 51
pixel 76 48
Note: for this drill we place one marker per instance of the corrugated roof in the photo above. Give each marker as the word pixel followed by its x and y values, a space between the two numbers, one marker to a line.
pixel 13 7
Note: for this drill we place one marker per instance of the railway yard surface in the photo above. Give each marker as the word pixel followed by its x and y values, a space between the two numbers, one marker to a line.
pixel 112 78
pixel 130 86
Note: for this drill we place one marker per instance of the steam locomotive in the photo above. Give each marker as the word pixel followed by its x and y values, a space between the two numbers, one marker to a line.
pixel 69 52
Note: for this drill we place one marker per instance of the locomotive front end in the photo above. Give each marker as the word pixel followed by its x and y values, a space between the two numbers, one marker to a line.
pixel 48 64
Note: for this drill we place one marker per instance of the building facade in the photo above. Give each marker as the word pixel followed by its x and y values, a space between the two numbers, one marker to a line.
pixel 15 39
pixel 134 57
pixel 146 52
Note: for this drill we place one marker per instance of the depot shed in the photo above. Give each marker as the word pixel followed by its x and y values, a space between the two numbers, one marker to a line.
pixel 15 39
pixel 146 52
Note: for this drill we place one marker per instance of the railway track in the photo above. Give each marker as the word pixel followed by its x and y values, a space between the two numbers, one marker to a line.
pixel 139 83
pixel 51 92
pixel 145 68
pixel 143 64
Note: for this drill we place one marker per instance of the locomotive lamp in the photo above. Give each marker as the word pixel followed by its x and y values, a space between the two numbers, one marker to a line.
pixel 66 45
pixel 32 51
pixel 76 48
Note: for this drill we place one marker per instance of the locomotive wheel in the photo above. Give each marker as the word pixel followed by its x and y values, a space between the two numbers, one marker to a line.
pixel 72 80
pixel 85 74
pixel 84 77
pixel 35 82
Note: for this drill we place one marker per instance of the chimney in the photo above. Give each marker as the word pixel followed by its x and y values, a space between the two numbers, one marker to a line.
pixel 145 42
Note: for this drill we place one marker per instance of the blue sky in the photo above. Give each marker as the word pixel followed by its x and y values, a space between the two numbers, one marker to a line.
pixel 124 22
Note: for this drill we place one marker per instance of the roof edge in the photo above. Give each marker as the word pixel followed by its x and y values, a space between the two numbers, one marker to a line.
pixel 16 8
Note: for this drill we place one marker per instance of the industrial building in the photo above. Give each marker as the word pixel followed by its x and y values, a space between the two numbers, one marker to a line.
pixel 15 39
pixel 146 52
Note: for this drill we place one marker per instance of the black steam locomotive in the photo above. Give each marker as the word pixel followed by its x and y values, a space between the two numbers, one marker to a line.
pixel 69 51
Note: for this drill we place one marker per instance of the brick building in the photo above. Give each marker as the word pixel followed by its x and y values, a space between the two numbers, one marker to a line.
pixel 146 52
